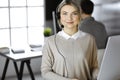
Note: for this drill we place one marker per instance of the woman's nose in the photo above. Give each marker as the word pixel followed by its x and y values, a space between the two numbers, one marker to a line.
pixel 69 17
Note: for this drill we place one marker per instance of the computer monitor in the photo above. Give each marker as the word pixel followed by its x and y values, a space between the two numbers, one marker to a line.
pixel 110 66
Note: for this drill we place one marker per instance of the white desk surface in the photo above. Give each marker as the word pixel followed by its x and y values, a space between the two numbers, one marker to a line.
pixel 23 56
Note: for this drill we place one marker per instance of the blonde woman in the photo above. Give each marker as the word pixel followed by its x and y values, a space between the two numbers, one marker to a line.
pixel 70 54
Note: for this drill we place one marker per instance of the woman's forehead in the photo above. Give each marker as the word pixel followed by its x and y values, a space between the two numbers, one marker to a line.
pixel 69 8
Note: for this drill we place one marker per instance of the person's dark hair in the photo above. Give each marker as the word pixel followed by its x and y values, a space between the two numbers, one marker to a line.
pixel 87 6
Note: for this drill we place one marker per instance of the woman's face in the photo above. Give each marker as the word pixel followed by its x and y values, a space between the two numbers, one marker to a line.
pixel 69 16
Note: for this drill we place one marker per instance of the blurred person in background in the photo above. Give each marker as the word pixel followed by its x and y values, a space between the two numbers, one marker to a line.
pixel 91 26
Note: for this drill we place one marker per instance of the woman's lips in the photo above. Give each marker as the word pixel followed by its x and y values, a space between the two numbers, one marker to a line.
pixel 70 22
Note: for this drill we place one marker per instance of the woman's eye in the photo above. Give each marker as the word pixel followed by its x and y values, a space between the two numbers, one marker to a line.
pixel 64 13
pixel 75 13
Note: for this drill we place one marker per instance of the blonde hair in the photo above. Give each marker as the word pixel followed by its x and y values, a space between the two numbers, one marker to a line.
pixel 63 3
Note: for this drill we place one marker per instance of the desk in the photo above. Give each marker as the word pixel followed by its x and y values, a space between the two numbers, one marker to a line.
pixel 23 58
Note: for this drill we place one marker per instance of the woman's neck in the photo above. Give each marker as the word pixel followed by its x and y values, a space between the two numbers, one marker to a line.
pixel 70 31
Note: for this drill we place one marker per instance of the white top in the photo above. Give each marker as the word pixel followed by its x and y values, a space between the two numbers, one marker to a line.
pixel 75 36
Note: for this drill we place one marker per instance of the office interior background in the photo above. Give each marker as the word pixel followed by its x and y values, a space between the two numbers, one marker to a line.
pixel 22 23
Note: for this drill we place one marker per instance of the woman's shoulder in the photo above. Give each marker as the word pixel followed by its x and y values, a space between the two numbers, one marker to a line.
pixel 87 35
pixel 50 37
pixel 82 33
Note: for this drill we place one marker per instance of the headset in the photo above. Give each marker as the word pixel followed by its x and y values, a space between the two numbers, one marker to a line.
pixel 55 40
pixel 57 14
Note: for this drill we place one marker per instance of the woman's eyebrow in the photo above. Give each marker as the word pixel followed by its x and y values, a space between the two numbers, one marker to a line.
pixel 72 11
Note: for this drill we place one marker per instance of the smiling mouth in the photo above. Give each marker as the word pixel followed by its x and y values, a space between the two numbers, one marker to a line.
pixel 70 22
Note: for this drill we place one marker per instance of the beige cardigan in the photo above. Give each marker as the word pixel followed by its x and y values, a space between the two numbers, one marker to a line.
pixel 67 59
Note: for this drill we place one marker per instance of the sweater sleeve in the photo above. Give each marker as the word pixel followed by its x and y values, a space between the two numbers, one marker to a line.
pixel 47 63
pixel 94 61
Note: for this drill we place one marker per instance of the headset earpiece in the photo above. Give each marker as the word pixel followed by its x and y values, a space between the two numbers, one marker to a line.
pixel 58 15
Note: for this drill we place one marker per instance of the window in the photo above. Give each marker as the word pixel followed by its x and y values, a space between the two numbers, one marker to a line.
pixel 21 22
